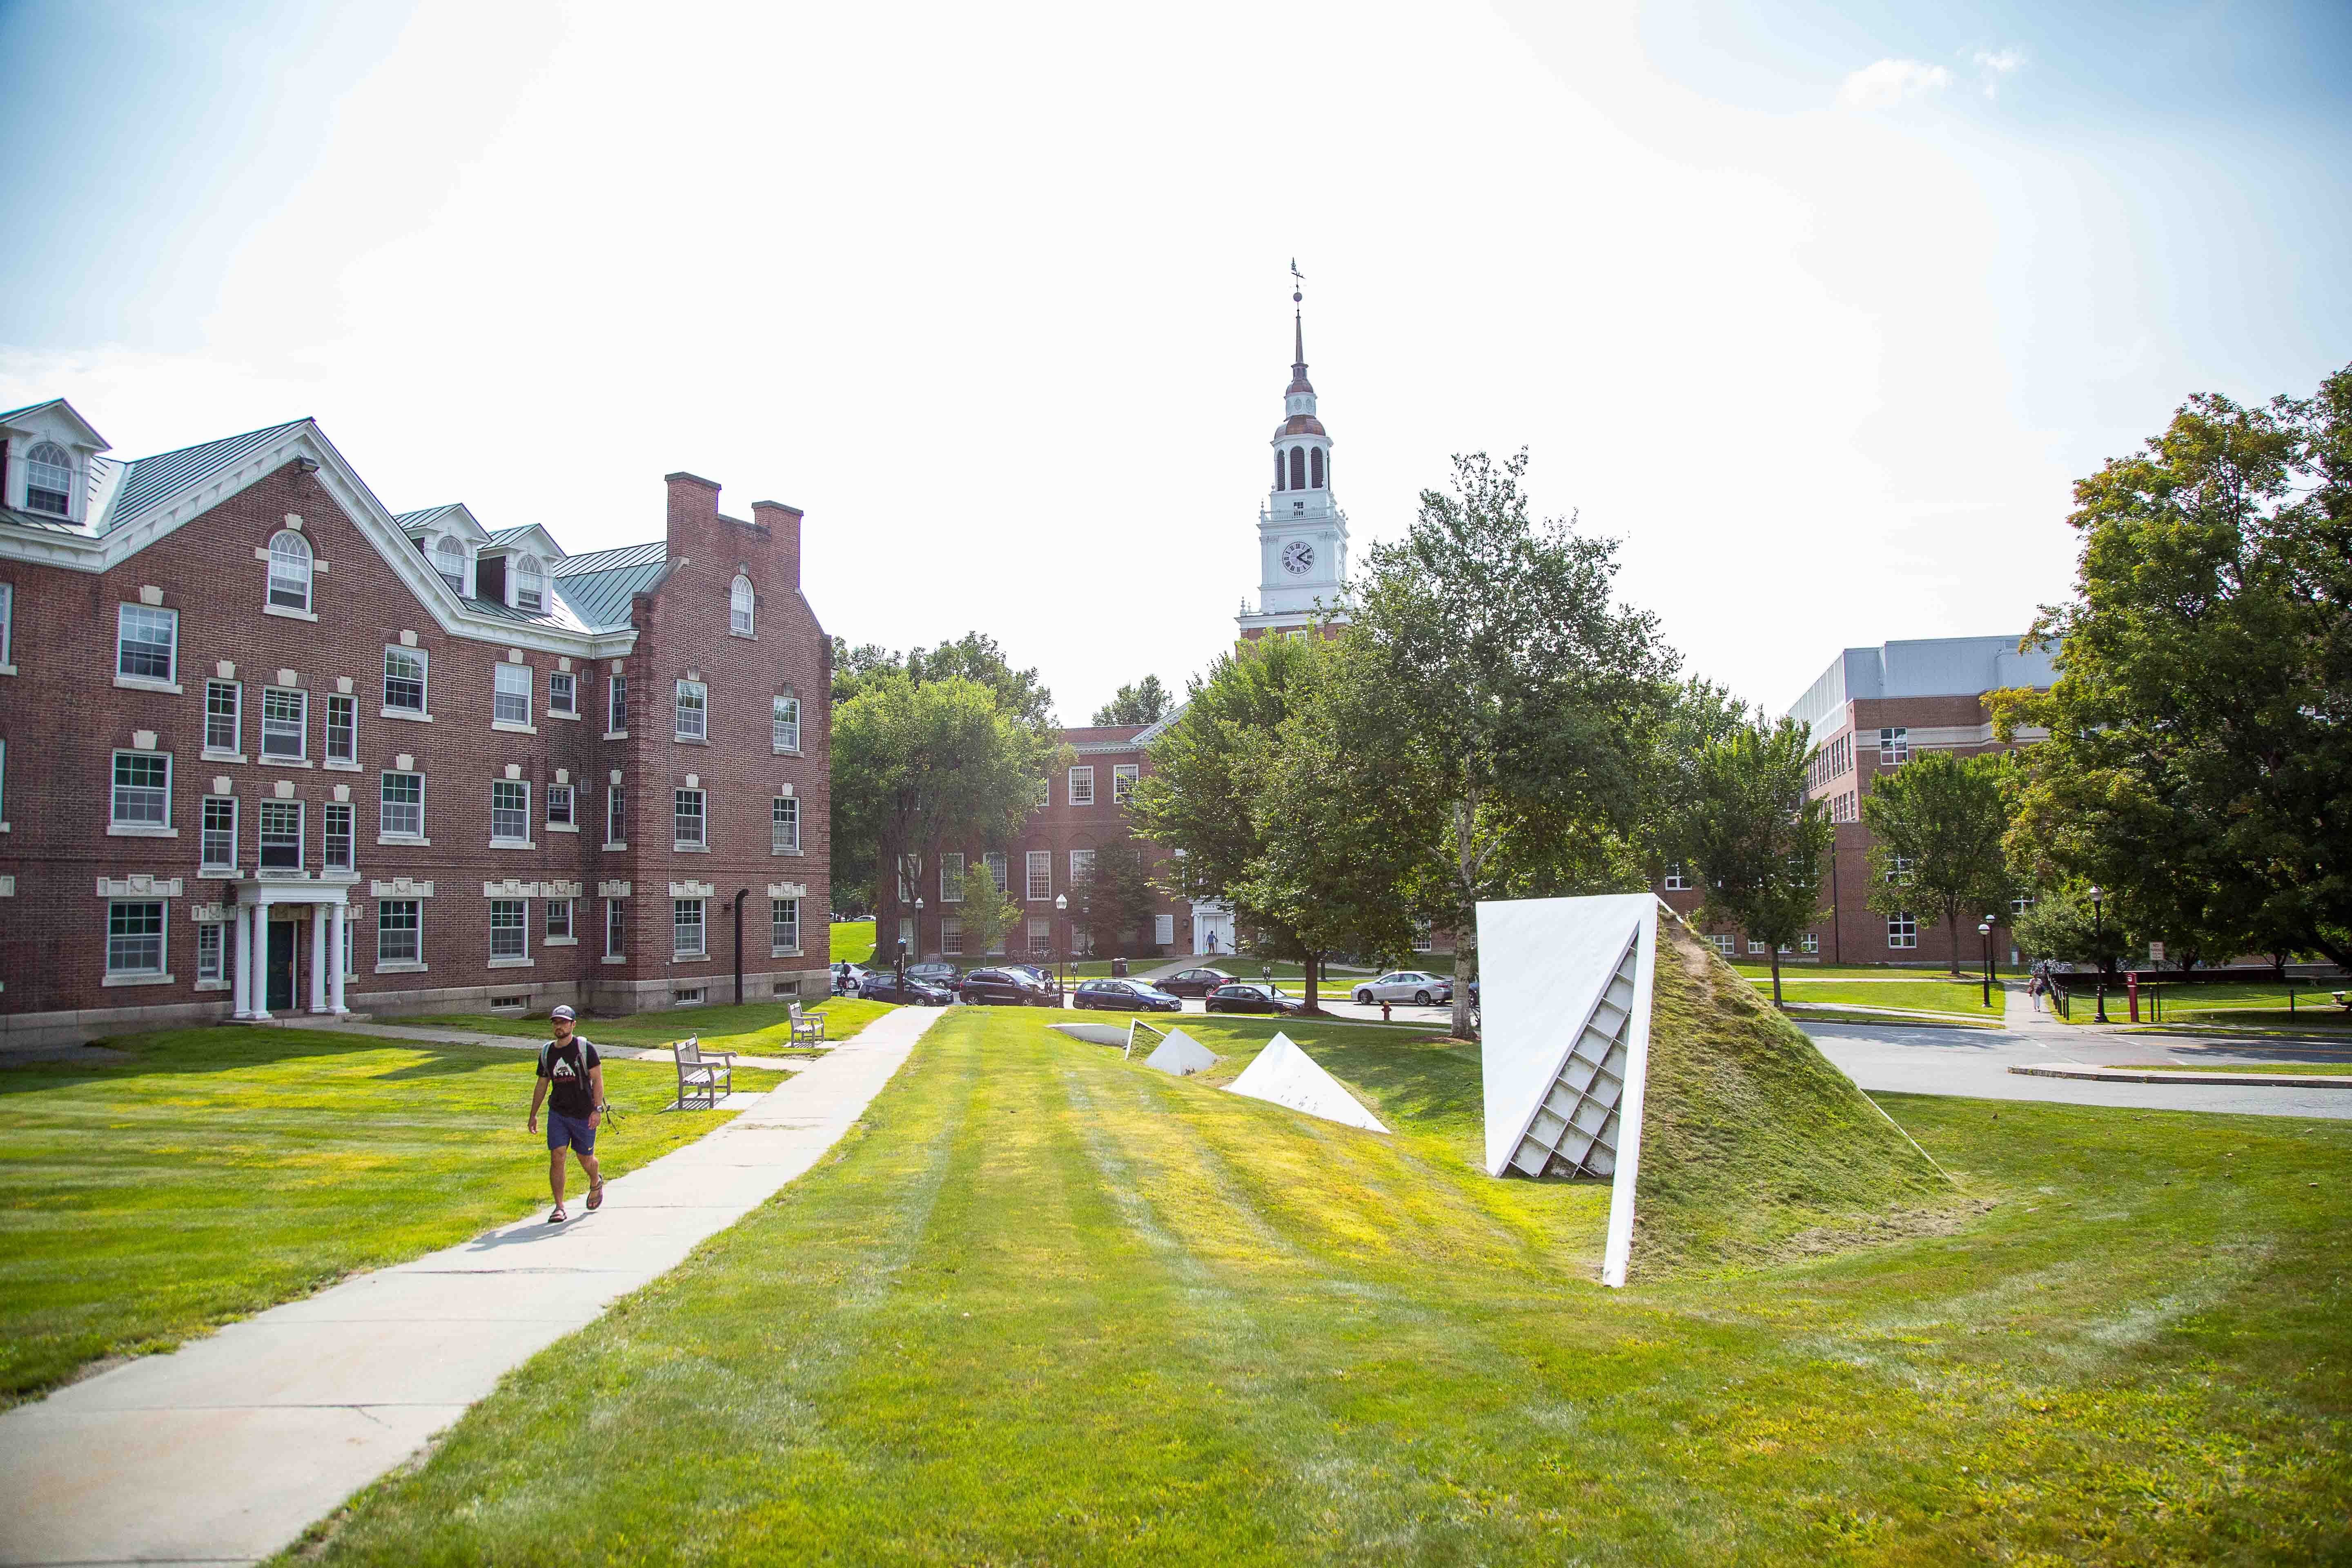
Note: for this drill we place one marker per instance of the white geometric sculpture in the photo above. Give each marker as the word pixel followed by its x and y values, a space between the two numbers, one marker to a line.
pixel 1182 1054
pixel 1284 1074
pixel 1094 1034
pixel 1564 993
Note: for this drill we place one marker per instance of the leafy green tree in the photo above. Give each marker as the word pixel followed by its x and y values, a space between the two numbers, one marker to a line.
pixel 2063 924
pixel 2200 727
pixel 1143 702
pixel 1755 838
pixel 988 912
pixel 1117 897
pixel 1529 706
pixel 1938 824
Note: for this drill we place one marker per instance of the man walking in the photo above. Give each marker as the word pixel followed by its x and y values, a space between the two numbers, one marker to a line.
pixel 571 1066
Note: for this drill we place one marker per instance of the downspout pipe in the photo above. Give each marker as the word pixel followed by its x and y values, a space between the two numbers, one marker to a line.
pixel 741 893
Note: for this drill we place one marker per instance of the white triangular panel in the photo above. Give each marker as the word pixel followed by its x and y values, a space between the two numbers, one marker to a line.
pixel 1284 1074
pixel 1183 1054
pixel 1094 1034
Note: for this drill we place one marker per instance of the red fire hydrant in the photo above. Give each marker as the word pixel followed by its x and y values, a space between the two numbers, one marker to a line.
pixel 1384 1010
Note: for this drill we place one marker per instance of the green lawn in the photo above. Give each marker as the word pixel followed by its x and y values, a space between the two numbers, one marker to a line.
pixel 1755 969
pixel 1928 996
pixel 853 942
pixel 1049 1306
pixel 2242 1005
pixel 754 1029
pixel 223 1171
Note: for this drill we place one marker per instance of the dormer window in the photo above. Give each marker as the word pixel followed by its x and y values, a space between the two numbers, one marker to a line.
pixel 48 480
pixel 449 560
pixel 289 571
pixel 742 611
pixel 530 586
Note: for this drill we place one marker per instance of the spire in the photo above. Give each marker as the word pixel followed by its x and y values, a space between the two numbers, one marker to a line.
pixel 1299 381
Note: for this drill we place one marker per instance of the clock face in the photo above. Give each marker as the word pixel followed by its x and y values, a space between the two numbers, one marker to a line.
pixel 1298 557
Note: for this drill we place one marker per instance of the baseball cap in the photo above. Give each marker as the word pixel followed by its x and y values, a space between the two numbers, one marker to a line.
pixel 563 1013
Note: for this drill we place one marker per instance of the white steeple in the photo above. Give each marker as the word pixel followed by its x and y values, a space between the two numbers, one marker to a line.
pixel 1302 533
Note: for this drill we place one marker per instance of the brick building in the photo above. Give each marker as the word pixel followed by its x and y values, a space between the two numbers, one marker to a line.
pixel 267 747
pixel 1870 712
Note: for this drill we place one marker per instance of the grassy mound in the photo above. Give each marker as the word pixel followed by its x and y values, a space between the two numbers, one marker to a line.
pixel 1753 1146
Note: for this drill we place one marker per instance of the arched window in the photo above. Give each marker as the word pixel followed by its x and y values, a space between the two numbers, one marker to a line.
pixel 1316 462
pixel 1298 468
pixel 48 480
pixel 530 586
pixel 289 570
pixel 449 560
pixel 742 611
pixel 1277 469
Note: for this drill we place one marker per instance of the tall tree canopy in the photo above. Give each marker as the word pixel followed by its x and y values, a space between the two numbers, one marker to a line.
pixel 1937 823
pixel 1114 902
pixel 1145 701
pixel 1754 835
pixel 2200 727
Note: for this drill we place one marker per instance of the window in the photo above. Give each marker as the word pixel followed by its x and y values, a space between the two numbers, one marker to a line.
pixel 788 724
pixel 785 826
pixel 616 816
pixel 1081 867
pixel 146 643
pixel 950 879
pixel 134 937
pixel 784 926
pixel 1040 874
pixel 562 694
pixel 1678 879
pixel 403 679
pixel 223 702
pixel 1810 942
pixel 616 927
pixel 741 607
pixel 284 724
pixel 342 730
pixel 693 712
pixel 350 942
pixel 685 927
pixel 210 951
pixel 1082 786
pixel 510 811
pixel 559 920
pixel 509 929
pixel 1901 930
pixel 998 872
pixel 511 703
pixel 1722 945
pixel 289 570
pixel 2020 904
pixel 529 585
pixel 217 843
pixel 1298 468
pixel 1122 780
pixel 399 931
pixel 559 805
pixel 617 706
pixel 1893 747
pixel 281 834
pixel 142 790
pixel 952 937
pixel 48 480
pixel 403 807
pixel 1041 936
pixel 687 823
pixel 8 619
pixel 449 560
pixel 341 849
pixel 689 995
pixel 1755 947
pixel 1900 870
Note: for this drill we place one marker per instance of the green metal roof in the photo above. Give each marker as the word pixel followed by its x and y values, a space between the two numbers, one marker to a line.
pixel 151 480
pixel 599 584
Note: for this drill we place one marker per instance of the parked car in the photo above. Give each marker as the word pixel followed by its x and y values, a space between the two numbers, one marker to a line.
pixel 1006 988
pixel 1406 985
pixel 847 978
pixel 1252 996
pixel 1194 982
pixel 941 975
pixel 884 987
pixel 1125 996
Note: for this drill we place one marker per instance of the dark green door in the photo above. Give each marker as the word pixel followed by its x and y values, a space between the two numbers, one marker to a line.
pixel 281 965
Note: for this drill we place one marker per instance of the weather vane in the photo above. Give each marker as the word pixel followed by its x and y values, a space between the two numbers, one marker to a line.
pixel 1296 277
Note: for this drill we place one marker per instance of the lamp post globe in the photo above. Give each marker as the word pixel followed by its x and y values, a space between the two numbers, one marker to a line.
pixel 1062 972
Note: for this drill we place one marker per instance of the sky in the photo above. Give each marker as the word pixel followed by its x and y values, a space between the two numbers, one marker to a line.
pixel 1818 309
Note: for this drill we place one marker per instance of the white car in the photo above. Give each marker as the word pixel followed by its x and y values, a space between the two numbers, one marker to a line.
pixel 1406 985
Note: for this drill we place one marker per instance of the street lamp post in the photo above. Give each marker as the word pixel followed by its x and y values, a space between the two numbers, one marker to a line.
pixel 2099 940
pixel 1061 968
pixel 1984 930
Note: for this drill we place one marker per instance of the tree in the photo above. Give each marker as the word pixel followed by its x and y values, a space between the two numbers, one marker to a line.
pixel 2200 726
pixel 1117 897
pixel 1144 702
pixel 1939 822
pixel 1529 706
pixel 1756 838
pixel 2063 924
pixel 988 912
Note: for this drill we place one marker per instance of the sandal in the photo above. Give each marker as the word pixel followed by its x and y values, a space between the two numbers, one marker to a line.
pixel 557 1216
pixel 596 1197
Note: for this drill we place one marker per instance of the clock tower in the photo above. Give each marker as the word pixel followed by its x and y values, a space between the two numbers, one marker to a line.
pixel 1302 535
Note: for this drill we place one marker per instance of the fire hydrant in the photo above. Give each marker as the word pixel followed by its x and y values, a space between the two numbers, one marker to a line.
pixel 1384 1010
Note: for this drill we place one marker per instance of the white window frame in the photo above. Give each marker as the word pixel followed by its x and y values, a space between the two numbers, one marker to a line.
pixel 742 607
pixel 679 926
pixel 616 927
pixel 784 824
pixel 566 682
pixel 1081 867
pixel 58 480
pixel 1722 943
pixel 951 937
pixel 511 690
pixel 950 878
pixel 386 832
pixel 328 812
pixel 209 838
pixel 1902 931
pixel 780 944
pixel 275 808
pixel 450 546
pixel 616 705
pixel 557 925
pixel 1899 870
pixel 1810 942
pixel 516 840
pixel 403 918
pixel 511 930
pixel 8 625
pixel 786 726
pixel 1756 948
pixel 1677 878
pixel 212 952
pixel 151 617
pixel 1084 774
pixel 690 700
pixel 301 722
pixel 999 865
pixel 118 823
pixel 559 807
pixel 1040 864
pixel 1894 746
pixel 701 839
pixel 527 577
pixel 236 717
pixel 290 557
pixel 422 679
pixel 1040 935
pixel 348 705
pixel 616 816
pixel 161 969
pixel 1123 779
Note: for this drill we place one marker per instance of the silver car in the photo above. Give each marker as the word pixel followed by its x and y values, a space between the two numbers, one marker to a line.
pixel 1406 985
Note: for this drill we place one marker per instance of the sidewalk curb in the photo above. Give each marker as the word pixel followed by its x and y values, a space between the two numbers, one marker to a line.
pixel 2135 1075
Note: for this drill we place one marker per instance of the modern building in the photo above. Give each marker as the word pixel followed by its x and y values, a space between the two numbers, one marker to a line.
pixel 1871 711
pixel 267 747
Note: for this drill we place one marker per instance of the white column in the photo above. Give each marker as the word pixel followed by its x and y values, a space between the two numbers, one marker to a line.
pixel 318 913
pixel 338 938
pixel 260 994
pixel 241 981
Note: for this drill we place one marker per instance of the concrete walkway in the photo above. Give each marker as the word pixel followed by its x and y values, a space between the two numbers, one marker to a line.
pixel 226 1450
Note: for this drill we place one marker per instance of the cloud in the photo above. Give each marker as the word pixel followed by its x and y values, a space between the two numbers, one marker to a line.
pixel 1882 84
pixel 1997 65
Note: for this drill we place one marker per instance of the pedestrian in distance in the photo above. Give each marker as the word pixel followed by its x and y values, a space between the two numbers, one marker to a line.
pixel 571 1085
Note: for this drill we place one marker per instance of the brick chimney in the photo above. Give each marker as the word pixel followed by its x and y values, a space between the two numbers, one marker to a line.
pixel 783 524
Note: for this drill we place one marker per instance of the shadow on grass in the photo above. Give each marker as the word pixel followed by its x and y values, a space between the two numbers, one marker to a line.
pixel 224 1049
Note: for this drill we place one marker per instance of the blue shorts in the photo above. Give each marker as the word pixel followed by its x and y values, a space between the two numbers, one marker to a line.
pixel 563 1130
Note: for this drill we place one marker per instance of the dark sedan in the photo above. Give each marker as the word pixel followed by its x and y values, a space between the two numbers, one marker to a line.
pixel 1252 996
pixel 1194 982
pixel 881 985
pixel 943 974
pixel 1007 988
pixel 1125 996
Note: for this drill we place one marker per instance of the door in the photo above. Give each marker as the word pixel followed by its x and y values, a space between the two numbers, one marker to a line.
pixel 1163 931
pixel 281 967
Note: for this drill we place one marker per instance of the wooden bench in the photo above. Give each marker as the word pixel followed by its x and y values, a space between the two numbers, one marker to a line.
pixel 807 1028
pixel 701 1075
